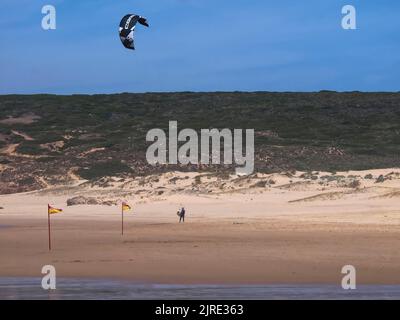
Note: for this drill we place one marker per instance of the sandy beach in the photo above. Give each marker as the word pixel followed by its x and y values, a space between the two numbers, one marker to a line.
pixel 295 230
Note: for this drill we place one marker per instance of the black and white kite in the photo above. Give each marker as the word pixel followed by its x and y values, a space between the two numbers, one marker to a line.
pixel 127 29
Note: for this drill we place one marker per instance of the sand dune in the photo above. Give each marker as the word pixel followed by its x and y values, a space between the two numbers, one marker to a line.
pixel 392 194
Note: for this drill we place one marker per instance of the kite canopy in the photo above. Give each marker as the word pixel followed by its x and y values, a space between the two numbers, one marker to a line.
pixel 127 29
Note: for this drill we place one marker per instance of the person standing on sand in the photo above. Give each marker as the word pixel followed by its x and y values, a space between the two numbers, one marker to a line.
pixel 182 215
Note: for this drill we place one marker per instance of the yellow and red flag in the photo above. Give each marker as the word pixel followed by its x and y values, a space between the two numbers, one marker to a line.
pixel 52 210
pixel 125 206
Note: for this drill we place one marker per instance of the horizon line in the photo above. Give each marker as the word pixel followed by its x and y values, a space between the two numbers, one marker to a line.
pixel 192 91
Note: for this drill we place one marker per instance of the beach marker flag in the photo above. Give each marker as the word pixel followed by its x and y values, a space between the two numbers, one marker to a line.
pixel 51 210
pixel 124 207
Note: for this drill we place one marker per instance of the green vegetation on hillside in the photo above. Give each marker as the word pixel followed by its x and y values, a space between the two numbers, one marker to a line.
pixel 302 131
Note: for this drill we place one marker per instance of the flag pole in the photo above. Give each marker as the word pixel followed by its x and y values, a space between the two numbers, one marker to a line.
pixel 48 223
pixel 122 219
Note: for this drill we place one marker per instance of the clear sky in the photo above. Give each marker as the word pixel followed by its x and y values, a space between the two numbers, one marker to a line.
pixel 200 45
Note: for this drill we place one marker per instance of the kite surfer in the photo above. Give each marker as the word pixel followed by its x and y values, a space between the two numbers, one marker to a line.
pixel 181 214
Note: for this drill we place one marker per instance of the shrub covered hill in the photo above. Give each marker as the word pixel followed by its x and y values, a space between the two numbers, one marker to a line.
pixel 50 139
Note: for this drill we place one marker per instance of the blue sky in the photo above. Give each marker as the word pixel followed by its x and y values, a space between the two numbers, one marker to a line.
pixel 200 45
